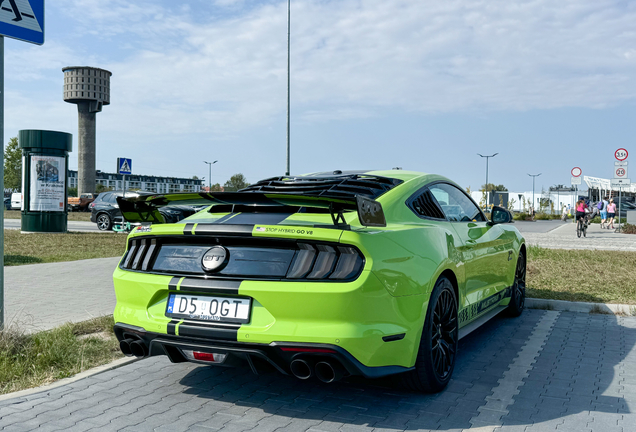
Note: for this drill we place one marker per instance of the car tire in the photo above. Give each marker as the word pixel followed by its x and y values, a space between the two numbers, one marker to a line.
pixel 437 351
pixel 104 222
pixel 518 297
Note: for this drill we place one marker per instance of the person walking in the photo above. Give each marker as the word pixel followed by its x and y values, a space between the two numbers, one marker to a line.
pixel 611 213
pixel 604 212
pixel 564 214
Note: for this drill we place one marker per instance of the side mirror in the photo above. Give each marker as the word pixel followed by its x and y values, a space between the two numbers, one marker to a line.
pixel 500 215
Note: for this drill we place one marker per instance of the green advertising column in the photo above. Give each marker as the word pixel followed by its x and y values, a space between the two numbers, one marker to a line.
pixel 44 176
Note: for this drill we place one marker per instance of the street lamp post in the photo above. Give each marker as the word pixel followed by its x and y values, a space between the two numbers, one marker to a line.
pixel 210 175
pixel 533 176
pixel 487 157
pixel 288 97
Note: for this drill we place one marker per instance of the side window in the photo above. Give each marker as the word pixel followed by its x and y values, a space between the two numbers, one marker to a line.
pixel 455 204
pixel 424 205
pixel 112 199
pixel 104 197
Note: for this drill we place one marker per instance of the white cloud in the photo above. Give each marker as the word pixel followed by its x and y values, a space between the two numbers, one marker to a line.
pixel 189 66
pixel 420 56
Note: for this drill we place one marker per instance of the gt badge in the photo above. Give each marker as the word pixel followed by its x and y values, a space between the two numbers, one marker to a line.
pixel 215 259
pixel 509 255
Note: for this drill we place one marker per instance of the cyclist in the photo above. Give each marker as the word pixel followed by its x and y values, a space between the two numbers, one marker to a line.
pixel 580 212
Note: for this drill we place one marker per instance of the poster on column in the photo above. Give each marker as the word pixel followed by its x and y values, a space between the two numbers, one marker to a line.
pixel 48 178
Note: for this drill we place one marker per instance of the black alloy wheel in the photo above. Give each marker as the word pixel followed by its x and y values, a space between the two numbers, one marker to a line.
pixel 438 345
pixel 104 222
pixel 518 298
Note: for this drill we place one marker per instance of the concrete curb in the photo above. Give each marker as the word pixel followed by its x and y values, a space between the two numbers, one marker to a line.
pixel 88 373
pixel 584 307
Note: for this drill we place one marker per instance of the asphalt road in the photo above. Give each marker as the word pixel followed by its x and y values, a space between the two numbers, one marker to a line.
pixel 543 371
pixel 72 225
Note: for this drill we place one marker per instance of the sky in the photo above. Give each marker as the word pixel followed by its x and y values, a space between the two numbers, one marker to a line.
pixel 423 85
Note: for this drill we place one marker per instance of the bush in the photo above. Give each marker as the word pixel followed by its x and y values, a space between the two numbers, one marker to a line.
pixel 546 216
pixel 628 229
pixel 522 217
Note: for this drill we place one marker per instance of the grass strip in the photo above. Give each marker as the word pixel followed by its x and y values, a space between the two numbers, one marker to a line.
pixel 30 360
pixel 72 216
pixel 582 275
pixel 22 249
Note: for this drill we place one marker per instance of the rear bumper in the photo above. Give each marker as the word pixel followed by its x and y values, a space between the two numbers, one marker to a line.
pixel 277 355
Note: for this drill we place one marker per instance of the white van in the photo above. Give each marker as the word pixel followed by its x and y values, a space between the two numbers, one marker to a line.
pixel 16 201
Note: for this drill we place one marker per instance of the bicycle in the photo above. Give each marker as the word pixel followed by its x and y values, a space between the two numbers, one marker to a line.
pixel 581 225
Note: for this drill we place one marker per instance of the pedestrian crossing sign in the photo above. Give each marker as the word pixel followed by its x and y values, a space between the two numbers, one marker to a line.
pixel 124 166
pixel 23 20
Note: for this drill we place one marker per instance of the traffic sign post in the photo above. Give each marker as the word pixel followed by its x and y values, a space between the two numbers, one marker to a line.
pixel 576 172
pixel 621 154
pixel 23 20
pixel 620 177
pixel 124 166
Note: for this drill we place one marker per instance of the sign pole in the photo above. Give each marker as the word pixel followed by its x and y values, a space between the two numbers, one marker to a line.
pixel 620 190
pixel 2 183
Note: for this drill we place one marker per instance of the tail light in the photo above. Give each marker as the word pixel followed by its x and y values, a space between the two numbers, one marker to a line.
pixel 325 262
pixel 140 254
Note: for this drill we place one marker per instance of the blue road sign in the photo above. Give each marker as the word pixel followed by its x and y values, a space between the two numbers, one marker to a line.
pixel 23 20
pixel 124 166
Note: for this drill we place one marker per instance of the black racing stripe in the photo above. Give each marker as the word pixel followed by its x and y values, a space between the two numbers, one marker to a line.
pixel 173 284
pixel 212 229
pixel 172 326
pixel 207 331
pixel 187 230
pixel 210 286
pixel 260 218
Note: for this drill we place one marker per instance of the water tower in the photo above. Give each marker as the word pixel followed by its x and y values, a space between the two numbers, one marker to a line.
pixel 89 89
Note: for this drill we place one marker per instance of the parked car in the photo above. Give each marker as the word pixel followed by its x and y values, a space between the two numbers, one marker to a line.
pixel 7 203
pixel 81 203
pixel 16 201
pixel 105 209
pixel 328 275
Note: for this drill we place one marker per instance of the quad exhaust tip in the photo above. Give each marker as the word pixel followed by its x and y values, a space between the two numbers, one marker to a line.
pixel 124 346
pixel 300 369
pixel 138 349
pixel 132 347
pixel 328 372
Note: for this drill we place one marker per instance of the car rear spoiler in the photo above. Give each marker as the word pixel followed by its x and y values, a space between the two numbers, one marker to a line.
pixel 145 208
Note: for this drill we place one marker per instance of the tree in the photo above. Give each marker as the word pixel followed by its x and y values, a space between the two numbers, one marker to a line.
pixel 216 188
pixel 101 188
pixel 491 187
pixel 236 182
pixel 13 165
pixel 195 178
pixel 72 191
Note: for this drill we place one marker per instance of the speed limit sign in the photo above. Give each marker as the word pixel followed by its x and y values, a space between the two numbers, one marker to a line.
pixel 620 172
pixel 621 154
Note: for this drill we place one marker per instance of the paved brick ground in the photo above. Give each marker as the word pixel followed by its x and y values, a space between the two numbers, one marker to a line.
pixel 583 379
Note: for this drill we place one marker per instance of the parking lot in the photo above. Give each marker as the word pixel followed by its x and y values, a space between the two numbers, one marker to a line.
pixel 544 371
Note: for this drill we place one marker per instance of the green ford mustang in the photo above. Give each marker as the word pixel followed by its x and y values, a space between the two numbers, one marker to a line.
pixel 369 273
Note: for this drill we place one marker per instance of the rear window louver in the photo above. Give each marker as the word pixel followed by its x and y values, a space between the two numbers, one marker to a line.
pixel 426 206
pixel 343 186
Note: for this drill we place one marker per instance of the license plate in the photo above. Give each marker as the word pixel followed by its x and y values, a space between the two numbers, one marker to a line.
pixel 206 308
